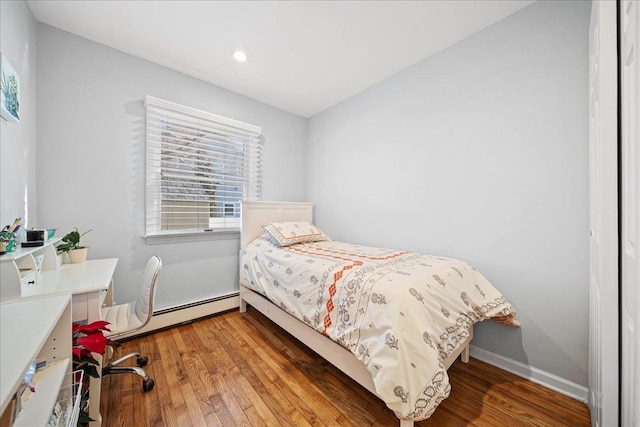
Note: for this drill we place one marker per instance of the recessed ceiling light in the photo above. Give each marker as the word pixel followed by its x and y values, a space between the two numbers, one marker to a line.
pixel 240 56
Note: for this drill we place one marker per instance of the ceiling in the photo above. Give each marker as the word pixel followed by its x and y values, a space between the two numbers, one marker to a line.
pixel 303 56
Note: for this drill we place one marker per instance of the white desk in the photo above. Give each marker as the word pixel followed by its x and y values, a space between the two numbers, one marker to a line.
pixel 89 283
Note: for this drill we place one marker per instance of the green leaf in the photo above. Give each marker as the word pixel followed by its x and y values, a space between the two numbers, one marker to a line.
pixel 84 419
pixel 91 371
pixel 71 241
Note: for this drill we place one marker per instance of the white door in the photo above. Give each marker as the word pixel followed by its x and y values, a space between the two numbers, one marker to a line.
pixel 603 199
pixel 630 230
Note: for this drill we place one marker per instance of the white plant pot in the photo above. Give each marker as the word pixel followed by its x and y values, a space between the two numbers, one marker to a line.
pixel 78 255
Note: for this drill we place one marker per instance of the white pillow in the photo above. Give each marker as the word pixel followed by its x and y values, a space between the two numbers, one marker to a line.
pixel 292 232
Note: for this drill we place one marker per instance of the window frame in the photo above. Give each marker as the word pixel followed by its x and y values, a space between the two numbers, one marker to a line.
pixel 212 132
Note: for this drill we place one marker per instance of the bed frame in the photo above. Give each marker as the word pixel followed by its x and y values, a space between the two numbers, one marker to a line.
pixel 256 214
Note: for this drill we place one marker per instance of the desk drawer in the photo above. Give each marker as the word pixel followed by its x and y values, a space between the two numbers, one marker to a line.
pixel 27 277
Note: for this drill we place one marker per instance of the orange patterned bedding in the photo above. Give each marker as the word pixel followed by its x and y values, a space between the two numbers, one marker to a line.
pixel 400 313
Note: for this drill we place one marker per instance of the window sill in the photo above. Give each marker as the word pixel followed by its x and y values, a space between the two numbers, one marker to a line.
pixel 196 236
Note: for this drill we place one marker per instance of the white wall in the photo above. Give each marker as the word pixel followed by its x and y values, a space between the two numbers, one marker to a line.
pixel 480 153
pixel 18 140
pixel 91 160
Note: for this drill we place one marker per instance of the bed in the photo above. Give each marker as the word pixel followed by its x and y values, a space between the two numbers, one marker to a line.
pixel 365 344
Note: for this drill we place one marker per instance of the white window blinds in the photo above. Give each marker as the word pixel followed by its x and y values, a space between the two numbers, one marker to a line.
pixel 199 167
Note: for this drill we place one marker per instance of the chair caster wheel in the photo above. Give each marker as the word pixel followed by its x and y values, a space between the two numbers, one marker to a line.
pixel 142 360
pixel 147 385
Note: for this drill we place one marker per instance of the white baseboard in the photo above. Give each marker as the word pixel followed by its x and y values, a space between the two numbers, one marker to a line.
pixel 538 376
pixel 177 315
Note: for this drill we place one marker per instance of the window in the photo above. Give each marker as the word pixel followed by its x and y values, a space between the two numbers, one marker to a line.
pixel 199 167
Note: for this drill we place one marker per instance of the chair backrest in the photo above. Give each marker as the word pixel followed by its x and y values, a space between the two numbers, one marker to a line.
pixel 147 297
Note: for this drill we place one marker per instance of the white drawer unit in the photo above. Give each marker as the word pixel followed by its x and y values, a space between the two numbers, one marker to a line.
pixel 19 269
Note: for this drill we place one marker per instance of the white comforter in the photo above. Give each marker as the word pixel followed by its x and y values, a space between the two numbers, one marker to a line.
pixel 400 313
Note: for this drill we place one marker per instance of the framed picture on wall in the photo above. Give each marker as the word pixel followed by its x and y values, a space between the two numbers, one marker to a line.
pixel 10 92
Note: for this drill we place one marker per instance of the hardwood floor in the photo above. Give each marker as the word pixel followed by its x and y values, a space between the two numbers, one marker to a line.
pixel 242 370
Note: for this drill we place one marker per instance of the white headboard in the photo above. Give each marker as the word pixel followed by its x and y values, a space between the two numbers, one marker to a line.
pixel 257 214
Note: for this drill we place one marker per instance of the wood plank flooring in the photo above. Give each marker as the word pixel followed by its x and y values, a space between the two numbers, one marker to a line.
pixel 242 370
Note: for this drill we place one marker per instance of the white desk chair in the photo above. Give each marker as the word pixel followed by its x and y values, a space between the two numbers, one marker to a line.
pixel 126 318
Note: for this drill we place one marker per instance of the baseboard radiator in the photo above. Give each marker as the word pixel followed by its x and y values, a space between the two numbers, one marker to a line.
pixel 189 312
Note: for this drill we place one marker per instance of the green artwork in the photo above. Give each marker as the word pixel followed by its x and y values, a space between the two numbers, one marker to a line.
pixel 9 92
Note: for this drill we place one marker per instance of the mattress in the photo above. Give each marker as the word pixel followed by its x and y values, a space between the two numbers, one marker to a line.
pixel 400 313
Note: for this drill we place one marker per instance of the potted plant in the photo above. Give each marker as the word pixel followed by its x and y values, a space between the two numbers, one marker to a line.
pixel 71 245
pixel 88 339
